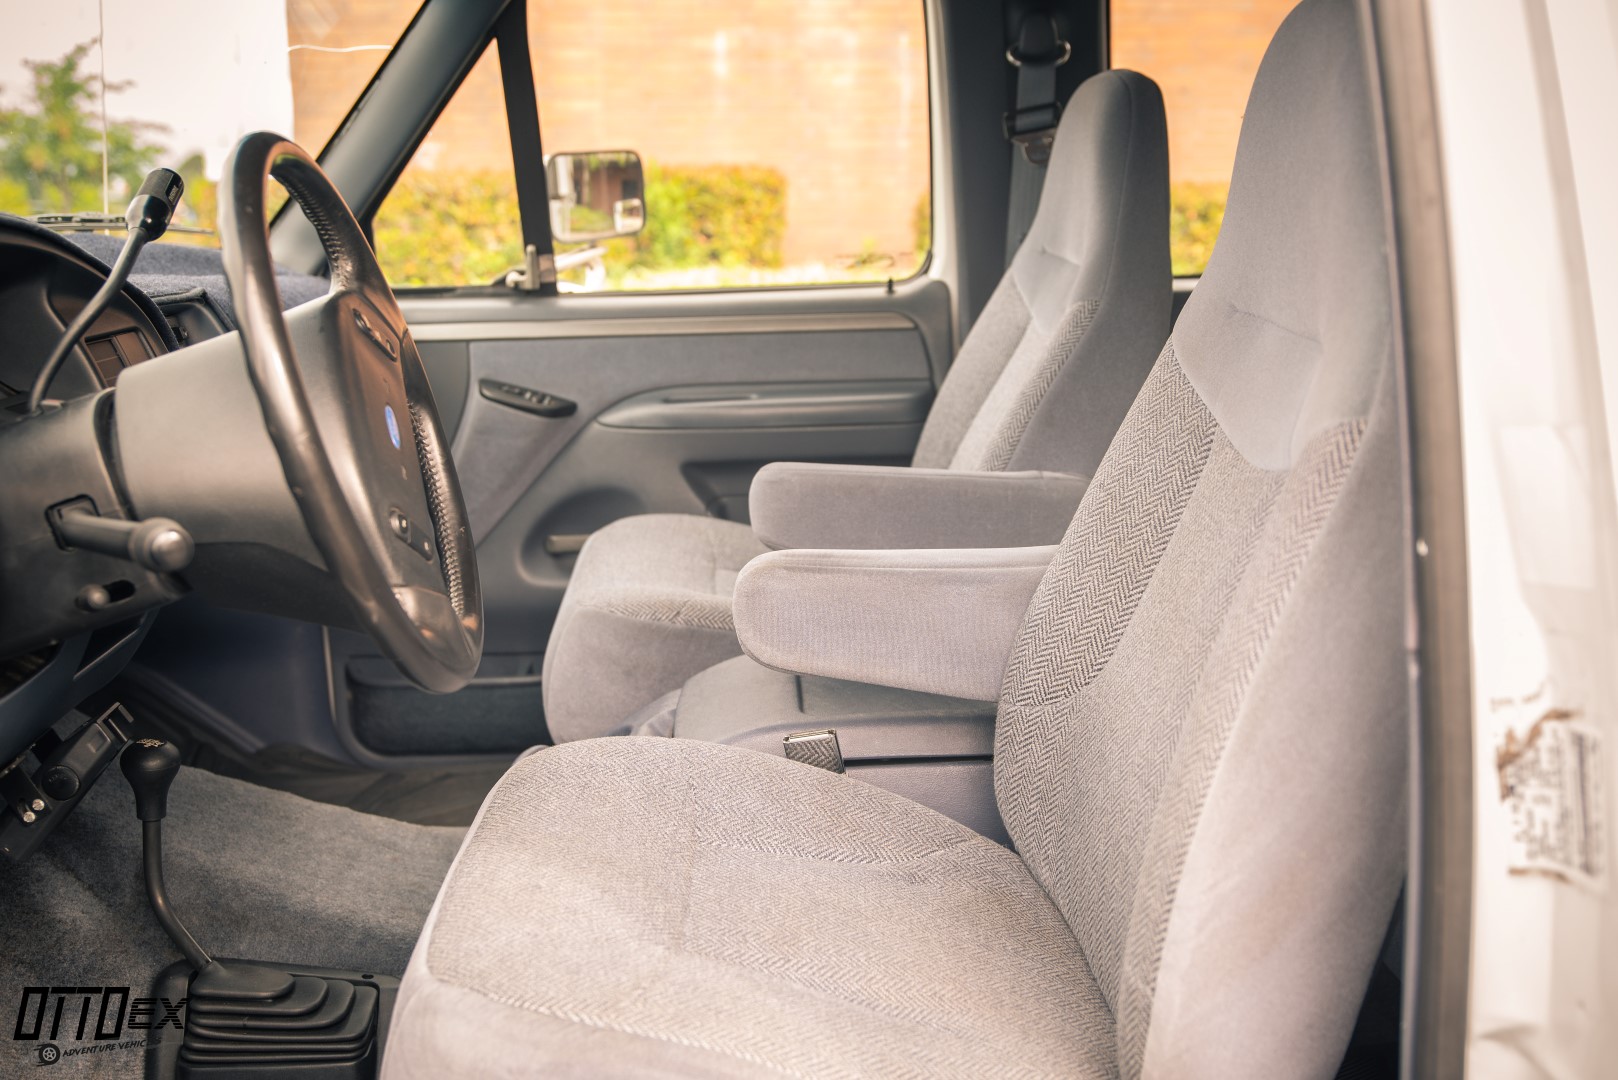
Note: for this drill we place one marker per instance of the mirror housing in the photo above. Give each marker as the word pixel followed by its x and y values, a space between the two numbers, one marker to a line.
pixel 595 195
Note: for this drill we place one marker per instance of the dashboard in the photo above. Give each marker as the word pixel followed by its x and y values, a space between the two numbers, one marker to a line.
pixel 74 609
pixel 55 652
pixel 45 280
pixel 71 618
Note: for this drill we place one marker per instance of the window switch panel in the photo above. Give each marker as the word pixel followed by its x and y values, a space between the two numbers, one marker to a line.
pixel 528 400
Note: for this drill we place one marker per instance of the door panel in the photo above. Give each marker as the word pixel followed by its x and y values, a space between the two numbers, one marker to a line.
pixel 680 400
pixel 500 451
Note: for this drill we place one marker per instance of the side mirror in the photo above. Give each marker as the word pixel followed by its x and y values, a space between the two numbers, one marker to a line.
pixel 596 195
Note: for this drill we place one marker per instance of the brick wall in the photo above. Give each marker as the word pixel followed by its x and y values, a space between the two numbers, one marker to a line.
pixel 1204 55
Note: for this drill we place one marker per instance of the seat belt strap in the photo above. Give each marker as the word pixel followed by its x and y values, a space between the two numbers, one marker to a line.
pixel 1030 126
pixel 538 274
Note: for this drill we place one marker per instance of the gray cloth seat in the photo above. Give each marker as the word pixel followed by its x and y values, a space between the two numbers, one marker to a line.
pixel 1039 386
pixel 1200 750
pixel 649 602
pixel 738 886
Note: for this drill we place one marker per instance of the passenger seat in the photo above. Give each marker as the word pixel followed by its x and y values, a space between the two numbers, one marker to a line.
pixel 1020 424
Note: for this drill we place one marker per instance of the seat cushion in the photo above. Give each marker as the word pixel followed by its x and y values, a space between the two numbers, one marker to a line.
pixel 637 907
pixel 648 607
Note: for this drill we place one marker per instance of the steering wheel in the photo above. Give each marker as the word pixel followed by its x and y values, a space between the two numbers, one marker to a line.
pixel 348 408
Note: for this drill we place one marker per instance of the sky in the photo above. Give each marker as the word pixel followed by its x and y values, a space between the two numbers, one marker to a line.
pixel 212 70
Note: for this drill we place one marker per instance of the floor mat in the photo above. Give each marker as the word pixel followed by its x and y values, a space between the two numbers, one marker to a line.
pixel 253 873
pixel 432 795
pixel 448 795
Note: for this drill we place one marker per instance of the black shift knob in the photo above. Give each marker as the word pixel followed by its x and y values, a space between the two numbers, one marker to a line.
pixel 151 766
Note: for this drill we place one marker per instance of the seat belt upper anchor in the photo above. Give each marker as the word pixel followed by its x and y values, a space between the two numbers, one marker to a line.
pixel 1037 53
pixel 1063 53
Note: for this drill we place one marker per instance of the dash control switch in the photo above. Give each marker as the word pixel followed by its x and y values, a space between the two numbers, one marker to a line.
pixel 413 538
pixel 528 400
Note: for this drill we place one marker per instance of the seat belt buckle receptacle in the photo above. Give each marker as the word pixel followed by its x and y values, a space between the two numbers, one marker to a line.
pixel 817 748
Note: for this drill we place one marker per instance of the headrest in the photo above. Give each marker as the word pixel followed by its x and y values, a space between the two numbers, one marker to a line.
pixel 1290 328
pixel 1103 212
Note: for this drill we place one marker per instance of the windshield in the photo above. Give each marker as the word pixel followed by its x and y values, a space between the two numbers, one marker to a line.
pixel 95 94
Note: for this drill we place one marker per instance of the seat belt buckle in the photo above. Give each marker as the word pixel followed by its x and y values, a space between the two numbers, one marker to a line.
pixel 817 748
pixel 1033 130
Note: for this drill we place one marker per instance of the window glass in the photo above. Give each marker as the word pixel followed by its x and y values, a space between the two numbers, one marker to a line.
pixel 784 143
pixel 451 217
pixel 1204 54
pixel 284 65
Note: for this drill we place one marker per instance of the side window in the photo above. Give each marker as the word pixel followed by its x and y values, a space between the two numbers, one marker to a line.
pixel 1204 54
pixel 451 217
pixel 783 144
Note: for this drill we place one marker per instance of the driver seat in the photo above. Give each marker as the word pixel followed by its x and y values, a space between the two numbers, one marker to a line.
pixel 1200 750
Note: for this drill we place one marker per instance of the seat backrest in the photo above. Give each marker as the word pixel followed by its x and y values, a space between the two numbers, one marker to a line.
pixel 1061 348
pixel 1200 750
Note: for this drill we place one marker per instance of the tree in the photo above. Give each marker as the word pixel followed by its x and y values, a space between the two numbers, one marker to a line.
pixel 50 147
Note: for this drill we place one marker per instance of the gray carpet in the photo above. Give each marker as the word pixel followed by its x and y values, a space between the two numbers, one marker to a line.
pixel 253 872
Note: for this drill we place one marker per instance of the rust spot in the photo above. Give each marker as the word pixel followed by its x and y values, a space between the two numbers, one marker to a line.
pixel 1512 749
pixel 1539 871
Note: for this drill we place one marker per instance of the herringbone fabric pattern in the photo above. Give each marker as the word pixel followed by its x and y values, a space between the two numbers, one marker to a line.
pixel 1010 428
pixel 1107 557
pixel 677 607
pixel 1079 775
pixel 995 336
pixel 1007 410
pixel 1125 641
pixel 1300 512
pixel 749 908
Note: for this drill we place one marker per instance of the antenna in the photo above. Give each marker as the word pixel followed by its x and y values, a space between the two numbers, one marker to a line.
pixel 101 49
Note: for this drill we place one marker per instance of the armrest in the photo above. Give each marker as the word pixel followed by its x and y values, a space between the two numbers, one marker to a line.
pixel 795 505
pixel 938 621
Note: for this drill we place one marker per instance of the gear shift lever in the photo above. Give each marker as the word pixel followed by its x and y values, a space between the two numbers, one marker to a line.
pixel 150 766
pixel 245 1018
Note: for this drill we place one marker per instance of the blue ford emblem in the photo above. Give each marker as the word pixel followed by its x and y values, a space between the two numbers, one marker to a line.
pixel 393 425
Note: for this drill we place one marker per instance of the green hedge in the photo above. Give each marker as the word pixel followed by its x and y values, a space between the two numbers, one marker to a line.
pixel 1195 213
pixel 921 224
pixel 709 215
pixel 449 228
pixel 441 228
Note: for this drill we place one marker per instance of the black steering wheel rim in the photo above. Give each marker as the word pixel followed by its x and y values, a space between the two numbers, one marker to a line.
pixel 435 635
